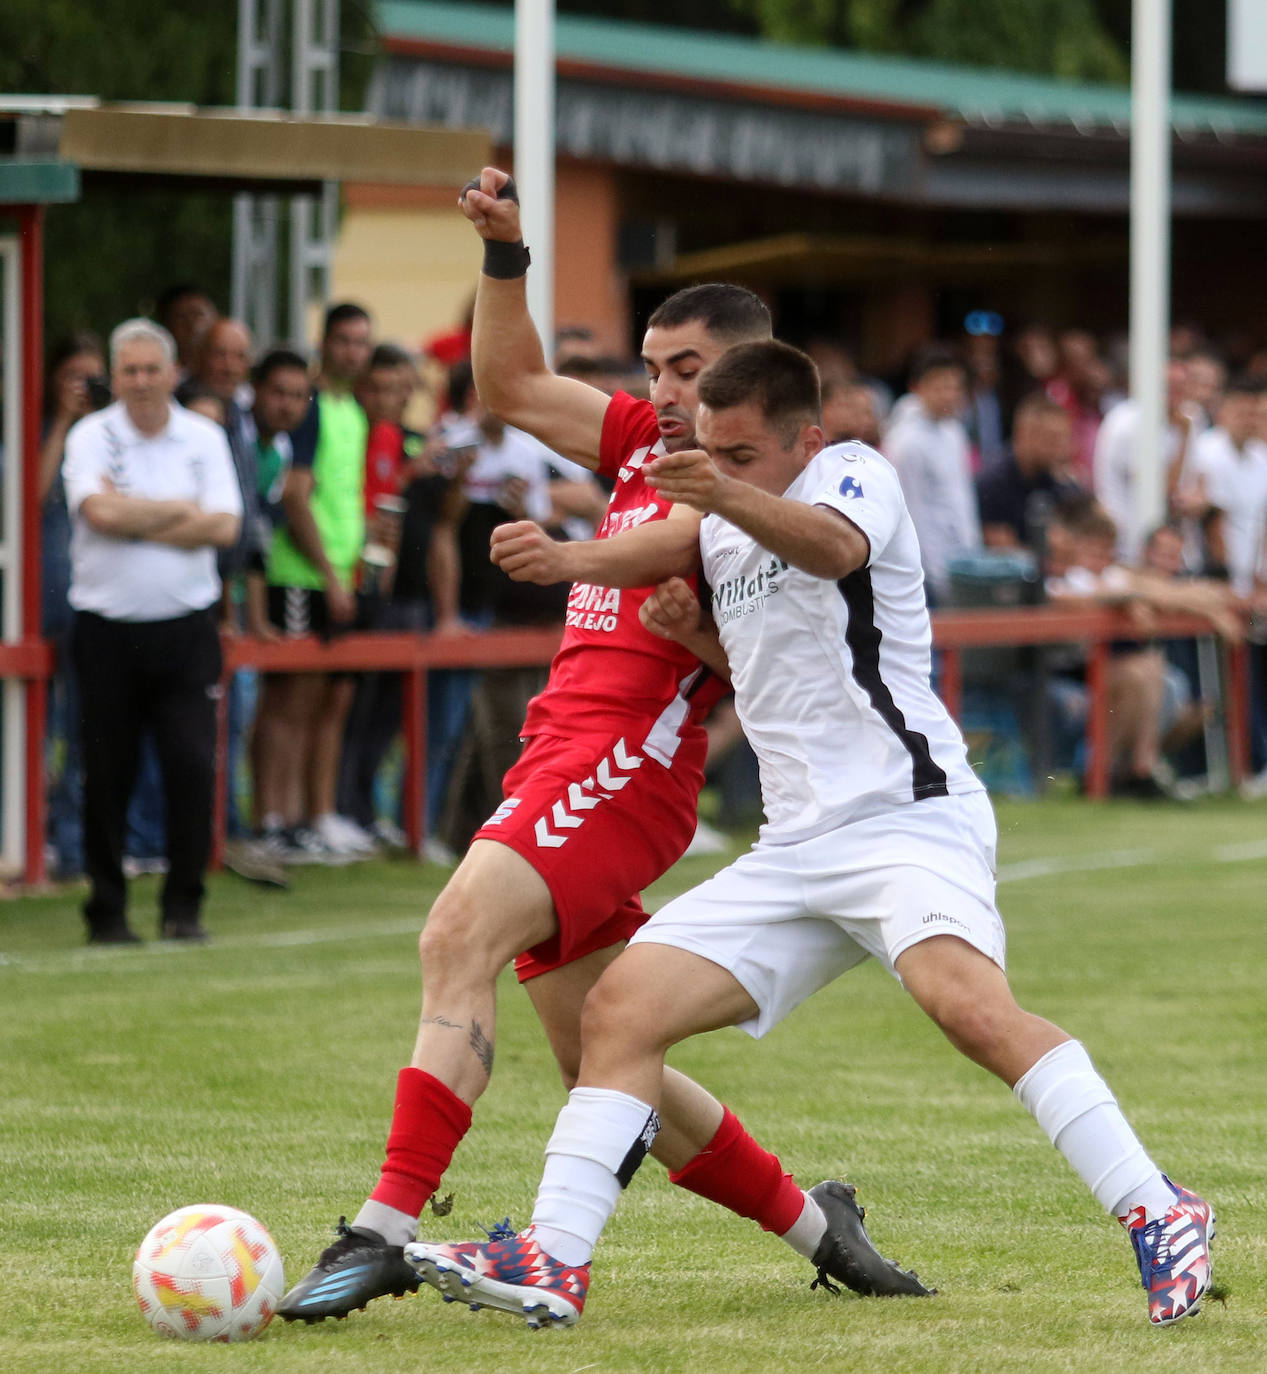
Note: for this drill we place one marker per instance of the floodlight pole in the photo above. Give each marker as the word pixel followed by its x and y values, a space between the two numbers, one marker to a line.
pixel 534 154
pixel 1150 254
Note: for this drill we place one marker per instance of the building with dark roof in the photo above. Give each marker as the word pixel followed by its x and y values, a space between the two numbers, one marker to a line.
pixel 873 198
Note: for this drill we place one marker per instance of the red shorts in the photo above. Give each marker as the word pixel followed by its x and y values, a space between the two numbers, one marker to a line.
pixel 599 821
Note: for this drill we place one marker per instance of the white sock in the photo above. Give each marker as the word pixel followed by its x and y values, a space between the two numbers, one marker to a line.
pixel 808 1231
pixel 1074 1106
pixel 395 1227
pixel 599 1138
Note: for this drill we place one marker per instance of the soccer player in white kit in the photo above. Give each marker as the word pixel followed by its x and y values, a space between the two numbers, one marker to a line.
pixel 879 841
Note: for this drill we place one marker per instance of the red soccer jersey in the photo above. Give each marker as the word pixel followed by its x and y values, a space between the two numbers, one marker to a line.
pixel 384 462
pixel 610 674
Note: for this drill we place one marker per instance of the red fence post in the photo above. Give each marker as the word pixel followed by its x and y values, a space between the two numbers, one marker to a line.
pixel 1237 719
pixel 31 287
pixel 1098 720
pixel 220 796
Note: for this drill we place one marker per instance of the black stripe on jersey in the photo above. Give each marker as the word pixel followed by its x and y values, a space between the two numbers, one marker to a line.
pixel 702 674
pixel 863 636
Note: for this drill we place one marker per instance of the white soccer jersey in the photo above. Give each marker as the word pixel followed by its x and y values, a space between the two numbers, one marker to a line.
pixel 832 678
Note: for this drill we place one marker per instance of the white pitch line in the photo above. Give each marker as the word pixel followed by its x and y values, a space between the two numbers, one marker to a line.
pixel 1075 863
pixel 1240 853
pixel 89 959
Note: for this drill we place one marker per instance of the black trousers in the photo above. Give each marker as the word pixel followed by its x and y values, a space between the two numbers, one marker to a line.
pixel 164 675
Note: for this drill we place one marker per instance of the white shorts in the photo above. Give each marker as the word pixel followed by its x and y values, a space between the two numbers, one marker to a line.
pixel 786 920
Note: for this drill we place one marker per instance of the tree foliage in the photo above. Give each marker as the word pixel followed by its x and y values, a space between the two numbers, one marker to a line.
pixel 112 253
pixel 1055 37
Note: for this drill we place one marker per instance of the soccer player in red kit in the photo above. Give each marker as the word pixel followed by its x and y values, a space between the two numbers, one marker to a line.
pixel 601 802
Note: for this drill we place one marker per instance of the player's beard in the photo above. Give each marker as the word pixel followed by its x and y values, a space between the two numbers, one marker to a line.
pixel 678 443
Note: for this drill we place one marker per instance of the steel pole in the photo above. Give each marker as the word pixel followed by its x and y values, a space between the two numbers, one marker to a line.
pixel 1150 256
pixel 534 154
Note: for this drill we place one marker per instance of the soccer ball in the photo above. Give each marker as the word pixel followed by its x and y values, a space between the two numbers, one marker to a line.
pixel 208 1273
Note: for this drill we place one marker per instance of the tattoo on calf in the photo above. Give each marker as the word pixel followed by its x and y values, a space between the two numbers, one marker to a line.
pixel 482 1046
pixel 442 1021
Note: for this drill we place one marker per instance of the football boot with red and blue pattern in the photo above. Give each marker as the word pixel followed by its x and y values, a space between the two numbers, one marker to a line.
pixel 1174 1255
pixel 508 1271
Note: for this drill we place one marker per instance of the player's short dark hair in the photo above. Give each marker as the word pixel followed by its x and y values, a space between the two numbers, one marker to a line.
pixel 728 312
pixel 780 380
pixel 274 360
pixel 935 358
pixel 389 355
pixel 341 314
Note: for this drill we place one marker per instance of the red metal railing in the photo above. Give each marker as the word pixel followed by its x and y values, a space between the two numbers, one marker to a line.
pixel 410 655
pixel 414 655
pixel 953 632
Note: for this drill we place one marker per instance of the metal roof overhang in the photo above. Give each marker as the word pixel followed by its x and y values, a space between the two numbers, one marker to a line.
pixel 786 259
pixel 260 152
pixel 923 134
pixel 230 150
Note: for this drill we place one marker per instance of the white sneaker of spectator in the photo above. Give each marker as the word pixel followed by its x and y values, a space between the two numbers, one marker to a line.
pixel 307 847
pixel 342 836
pixel 139 868
pixel 358 837
pixel 389 834
pixel 1255 788
pixel 435 851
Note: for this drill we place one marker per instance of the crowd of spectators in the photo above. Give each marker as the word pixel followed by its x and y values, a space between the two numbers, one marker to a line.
pixel 1019 458
pixel 368 490
pixel 367 493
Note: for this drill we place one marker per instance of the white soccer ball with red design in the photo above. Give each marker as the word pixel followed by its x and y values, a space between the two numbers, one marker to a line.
pixel 208 1273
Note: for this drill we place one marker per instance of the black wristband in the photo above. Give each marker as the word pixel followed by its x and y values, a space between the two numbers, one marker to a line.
pixel 505 261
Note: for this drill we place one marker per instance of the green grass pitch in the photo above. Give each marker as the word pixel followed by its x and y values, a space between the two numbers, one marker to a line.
pixel 258 1072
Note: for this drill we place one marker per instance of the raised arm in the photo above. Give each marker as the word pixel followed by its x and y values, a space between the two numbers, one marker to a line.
pixel 511 374
pixel 639 557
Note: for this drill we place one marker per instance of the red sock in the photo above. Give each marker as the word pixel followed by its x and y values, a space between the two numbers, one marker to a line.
pixel 428 1121
pixel 733 1170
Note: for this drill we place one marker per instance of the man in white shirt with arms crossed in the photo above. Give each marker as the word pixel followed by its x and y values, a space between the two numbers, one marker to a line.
pixel 152 492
